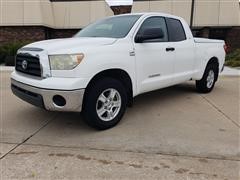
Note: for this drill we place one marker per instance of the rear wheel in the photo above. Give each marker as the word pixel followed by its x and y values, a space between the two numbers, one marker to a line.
pixel 206 84
pixel 105 103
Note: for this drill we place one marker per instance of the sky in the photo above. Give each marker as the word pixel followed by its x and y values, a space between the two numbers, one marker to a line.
pixel 119 2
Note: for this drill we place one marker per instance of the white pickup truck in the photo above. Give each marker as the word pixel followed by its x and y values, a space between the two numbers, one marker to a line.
pixel 103 67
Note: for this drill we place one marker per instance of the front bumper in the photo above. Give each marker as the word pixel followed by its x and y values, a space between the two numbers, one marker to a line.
pixel 44 97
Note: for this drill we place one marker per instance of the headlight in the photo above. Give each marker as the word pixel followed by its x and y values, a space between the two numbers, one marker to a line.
pixel 65 61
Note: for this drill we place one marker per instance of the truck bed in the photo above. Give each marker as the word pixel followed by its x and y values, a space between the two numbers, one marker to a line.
pixel 205 40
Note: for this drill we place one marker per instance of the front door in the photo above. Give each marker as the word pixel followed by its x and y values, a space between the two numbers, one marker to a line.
pixel 154 58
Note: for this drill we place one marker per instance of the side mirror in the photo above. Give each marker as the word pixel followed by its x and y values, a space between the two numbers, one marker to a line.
pixel 149 34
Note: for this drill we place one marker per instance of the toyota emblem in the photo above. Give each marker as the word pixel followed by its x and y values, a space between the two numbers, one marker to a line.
pixel 24 64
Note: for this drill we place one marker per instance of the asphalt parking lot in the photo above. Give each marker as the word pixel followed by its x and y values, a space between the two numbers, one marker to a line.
pixel 174 133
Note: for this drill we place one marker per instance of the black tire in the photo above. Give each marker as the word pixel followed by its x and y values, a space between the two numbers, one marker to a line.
pixel 202 85
pixel 92 98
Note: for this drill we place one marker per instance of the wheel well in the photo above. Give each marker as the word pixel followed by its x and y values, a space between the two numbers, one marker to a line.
pixel 117 74
pixel 214 61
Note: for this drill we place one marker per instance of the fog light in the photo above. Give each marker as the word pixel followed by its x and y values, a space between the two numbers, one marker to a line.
pixel 59 100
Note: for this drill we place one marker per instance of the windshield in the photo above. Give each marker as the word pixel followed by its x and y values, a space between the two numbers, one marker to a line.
pixel 113 27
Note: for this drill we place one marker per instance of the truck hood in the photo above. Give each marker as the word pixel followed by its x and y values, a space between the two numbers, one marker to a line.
pixel 56 45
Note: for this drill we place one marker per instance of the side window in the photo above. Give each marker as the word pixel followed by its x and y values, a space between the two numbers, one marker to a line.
pixel 155 22
pixel 175 30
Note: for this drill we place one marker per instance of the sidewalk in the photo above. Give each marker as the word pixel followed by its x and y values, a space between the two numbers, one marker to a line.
pixel 6 68
pixel 173 133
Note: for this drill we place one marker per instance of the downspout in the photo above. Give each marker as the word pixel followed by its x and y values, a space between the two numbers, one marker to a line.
pixel 192 14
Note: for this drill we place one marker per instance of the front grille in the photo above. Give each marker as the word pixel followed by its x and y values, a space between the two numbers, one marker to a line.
pixel 32 64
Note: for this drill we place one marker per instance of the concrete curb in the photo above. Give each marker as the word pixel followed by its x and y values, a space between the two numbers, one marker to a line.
pixel 230 72
pixel 226 72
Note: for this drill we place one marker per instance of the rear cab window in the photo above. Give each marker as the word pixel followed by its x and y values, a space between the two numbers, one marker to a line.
pixel 175 30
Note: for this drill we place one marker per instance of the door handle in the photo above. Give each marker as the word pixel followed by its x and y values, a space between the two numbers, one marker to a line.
pixel 170 49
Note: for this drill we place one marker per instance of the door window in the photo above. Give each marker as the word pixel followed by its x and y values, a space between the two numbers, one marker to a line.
pixel 154 22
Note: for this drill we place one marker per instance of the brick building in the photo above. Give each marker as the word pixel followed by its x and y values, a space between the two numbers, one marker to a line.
pixel 24 20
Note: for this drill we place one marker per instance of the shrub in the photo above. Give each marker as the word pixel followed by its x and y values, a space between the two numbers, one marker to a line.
pixel 233 58
pixel 8 52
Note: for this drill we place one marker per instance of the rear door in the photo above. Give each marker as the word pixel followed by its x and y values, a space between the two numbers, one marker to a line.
pixel 184 51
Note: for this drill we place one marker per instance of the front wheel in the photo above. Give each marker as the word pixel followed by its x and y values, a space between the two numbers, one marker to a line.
pixel 105 103
pixel 206 84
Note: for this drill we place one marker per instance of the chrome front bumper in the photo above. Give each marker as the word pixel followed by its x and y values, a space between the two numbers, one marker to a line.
pixel 44 97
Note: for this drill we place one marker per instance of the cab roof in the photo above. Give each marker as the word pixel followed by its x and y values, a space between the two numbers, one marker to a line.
pixel 151 14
